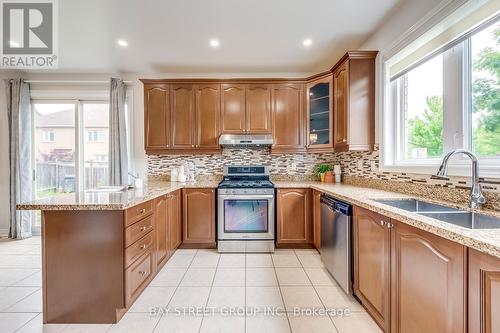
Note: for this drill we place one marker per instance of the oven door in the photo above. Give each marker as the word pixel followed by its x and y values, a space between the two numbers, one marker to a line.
pixel 246 216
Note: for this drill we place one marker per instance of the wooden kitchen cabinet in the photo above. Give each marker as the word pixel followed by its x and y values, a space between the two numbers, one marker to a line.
pixel 156 117
pixel 174 221
pixel 233 108
pixel 161 217
pixel 484 293
pixel 354 101
pixel 182 116
pixel 371 240
pixel 316 195
pixel 198 217
pixel 319 115
pixel 207 116
pixel 288 118
pixel 428 278
pixel 258 109
pixel 294 227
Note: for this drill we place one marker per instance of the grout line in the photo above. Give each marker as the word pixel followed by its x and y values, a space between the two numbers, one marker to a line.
pixel 22 299
pixel 210 292
pixel 26 323
pixel 281 293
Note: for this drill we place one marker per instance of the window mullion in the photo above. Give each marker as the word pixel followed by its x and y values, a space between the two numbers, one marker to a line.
pixel 80 167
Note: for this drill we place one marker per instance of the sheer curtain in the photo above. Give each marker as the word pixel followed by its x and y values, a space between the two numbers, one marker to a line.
pixel 20 156
pixel 118 159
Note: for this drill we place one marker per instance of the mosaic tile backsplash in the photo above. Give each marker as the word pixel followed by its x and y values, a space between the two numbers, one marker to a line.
pixel 298 166
pixel 357 167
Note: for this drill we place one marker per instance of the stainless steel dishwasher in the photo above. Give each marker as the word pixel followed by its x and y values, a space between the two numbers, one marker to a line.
pixel 336 238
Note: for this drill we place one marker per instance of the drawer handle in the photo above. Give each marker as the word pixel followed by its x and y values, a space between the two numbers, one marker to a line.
pixel 382 223
pixel 142 273
pixel 144 228
pixel 142 247
pixel 142 211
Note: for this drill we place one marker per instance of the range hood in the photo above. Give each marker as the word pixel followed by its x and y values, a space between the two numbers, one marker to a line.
pixel 245 140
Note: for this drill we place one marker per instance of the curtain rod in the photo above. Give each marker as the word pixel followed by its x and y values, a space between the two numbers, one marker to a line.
pixel 69 82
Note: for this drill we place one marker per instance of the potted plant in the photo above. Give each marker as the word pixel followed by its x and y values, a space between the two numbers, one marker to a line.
pixel 322 171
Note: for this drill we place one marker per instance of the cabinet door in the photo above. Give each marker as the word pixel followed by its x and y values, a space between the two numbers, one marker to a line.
pixel 183 119
pixel 484 293
pixel 294 216
pixel 175 220
pixel 258 108
pixel 233 108
pixel 156 117
pixel 340 106
pixel 207 116
pixel 199 216
pixel 288 117
pixel 161 226
pixel 371 240
pixel 319 134
pixel 428 282
pixel 316 219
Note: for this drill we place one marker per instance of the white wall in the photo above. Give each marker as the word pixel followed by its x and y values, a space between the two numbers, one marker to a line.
pixel 4 163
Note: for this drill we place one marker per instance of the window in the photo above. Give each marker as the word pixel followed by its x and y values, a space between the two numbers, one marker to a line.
pixel 95 136
pixel 48 136
pixel 447 100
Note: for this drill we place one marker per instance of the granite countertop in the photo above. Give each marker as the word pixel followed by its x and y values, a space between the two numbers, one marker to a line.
pixel 112 200
pixel 484 240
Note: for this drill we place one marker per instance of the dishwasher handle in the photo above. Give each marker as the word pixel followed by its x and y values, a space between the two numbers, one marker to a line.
pixel 336 205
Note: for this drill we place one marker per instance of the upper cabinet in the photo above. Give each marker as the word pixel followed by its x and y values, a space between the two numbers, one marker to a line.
pixel 319 116
pixel 354 102
pixel 156 117
pixel 233 108
pixel 207 116
pixel 331 111
pixel 182 116
pixel 246 108
pixel 288 118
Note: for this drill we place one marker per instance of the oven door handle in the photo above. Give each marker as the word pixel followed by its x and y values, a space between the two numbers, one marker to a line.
pixel 246 196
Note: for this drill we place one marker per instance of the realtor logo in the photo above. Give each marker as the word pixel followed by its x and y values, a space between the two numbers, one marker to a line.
pixel 28 34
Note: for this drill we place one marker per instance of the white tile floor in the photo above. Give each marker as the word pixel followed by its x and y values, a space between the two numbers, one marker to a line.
pixel 288 279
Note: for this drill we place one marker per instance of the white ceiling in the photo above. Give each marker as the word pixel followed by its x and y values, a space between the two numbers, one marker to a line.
pixel 256 36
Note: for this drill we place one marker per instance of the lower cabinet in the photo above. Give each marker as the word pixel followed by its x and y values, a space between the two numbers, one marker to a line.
pixel 198 217
pixel 409 280
pixel 484 293
pixel 162 232
pixel 316 211
pixel 371 240
pixel 174 221
pixel 293 217
pixel 428 282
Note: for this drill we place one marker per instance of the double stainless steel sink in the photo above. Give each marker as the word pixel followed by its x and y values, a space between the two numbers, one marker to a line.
pixel 459 217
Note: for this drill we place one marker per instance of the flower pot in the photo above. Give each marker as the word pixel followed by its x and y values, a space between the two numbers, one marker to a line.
pixel 322 177
pixel 329 177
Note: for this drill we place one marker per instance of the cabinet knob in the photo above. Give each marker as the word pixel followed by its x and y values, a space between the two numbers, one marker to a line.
pixel 144 228
pixel 142 247
pixel 192 146
pixel 344 140
pixel 142 211
pixel 382 223
pixel 142 273
pixel 389 225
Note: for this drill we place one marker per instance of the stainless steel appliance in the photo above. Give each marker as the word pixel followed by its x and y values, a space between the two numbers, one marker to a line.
pixel 336 226
pixel 245 211
pixel 245 140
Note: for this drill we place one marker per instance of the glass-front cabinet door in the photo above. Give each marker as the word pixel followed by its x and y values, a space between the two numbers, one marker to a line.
pixel 320 114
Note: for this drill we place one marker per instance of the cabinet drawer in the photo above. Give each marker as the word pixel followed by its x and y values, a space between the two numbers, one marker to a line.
pixel 140 247
pixel 137 275
pixel 137 213
pixel 138 230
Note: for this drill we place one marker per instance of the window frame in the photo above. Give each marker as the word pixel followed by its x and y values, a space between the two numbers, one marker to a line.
pixel 393 117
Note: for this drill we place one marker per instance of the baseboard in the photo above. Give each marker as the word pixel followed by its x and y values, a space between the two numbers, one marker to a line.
pixel 4 232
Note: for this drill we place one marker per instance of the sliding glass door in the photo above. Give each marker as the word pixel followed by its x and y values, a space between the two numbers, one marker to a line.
pixel 70 147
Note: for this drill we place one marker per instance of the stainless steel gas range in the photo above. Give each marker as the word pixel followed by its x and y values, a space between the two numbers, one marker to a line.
pixel 245 211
